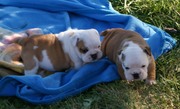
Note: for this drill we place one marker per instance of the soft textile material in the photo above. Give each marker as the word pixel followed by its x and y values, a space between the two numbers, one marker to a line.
pixel 54 16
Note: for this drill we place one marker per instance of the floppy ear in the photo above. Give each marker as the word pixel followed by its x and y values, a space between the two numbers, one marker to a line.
pixel 147 50
pixel 74 37
pixel 119 52
pixel 94 30
pixel 121 55
pixel 104 33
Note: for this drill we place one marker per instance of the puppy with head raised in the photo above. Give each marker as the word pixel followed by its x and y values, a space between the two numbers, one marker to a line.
pixel 58 52
pixel 130 52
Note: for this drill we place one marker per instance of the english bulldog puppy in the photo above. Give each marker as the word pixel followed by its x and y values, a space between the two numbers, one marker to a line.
pixel 130 52
pixel 58 52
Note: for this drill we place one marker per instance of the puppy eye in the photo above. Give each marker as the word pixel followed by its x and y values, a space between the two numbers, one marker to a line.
pixel 84 50
pixel 143 66
pixel 99 46
pixel 127 68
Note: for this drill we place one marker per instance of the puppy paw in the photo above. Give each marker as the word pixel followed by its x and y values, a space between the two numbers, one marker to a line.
pixel 150 82
pixel 34 31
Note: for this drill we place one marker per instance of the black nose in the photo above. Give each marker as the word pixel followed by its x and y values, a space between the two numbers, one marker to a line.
pixel 94 56
pixel 136 75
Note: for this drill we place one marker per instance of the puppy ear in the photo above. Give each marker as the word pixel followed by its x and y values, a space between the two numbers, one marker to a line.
pixel 71 33
pixel 110 31
pixel 95 31
pixel 119 52
pixel 147 50
pixel 74 37
pixel 121 56
pixel 104 33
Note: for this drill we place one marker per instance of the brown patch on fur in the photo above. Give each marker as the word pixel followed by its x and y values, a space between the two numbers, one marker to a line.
pixel 51 44
pixel 81 47
pixel 147 50
pixel 114 40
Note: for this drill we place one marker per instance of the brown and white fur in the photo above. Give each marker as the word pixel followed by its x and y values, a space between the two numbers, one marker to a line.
pixel 130 52
pixel 58 52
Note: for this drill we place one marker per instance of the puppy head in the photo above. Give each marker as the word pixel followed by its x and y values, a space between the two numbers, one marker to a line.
pixel 135 61
pixel 88 44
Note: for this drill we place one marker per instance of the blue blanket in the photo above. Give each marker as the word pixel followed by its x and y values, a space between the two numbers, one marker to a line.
pixel 54 16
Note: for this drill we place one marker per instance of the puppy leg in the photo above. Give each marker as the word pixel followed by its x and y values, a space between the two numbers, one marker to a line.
pixel 34 31
pixel 31 63
pixel 151 73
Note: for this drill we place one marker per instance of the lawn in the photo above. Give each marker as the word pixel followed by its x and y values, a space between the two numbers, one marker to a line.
pixel 119 94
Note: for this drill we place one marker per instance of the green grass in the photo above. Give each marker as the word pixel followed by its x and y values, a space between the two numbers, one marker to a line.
pixel 137 95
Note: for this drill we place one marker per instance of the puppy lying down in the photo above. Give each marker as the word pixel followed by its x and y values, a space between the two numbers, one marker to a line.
pixel 57 52
pixel 132 55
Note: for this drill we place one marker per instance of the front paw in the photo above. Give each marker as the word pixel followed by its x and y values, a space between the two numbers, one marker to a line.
pixel 150 82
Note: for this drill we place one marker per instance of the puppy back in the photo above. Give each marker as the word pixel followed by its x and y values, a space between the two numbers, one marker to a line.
pixel 110 44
